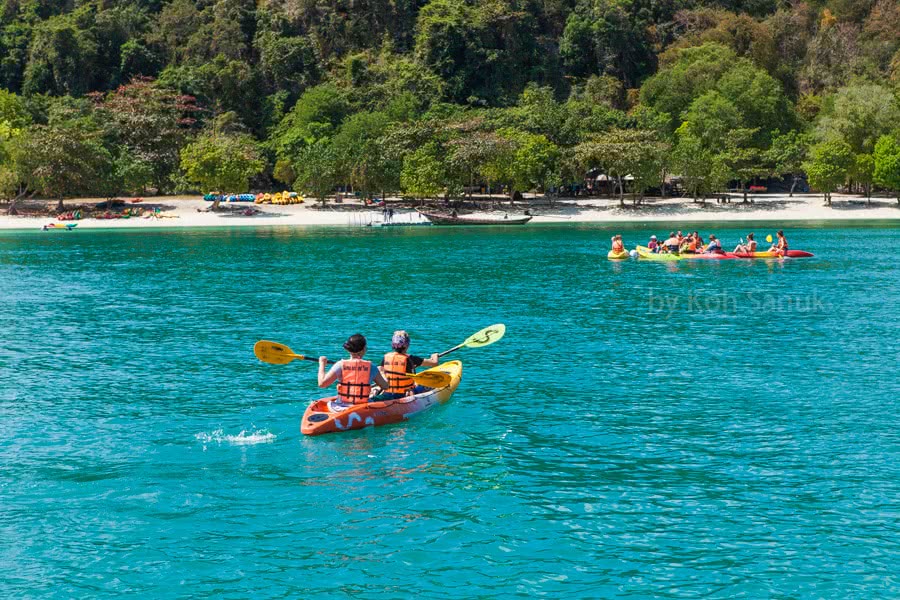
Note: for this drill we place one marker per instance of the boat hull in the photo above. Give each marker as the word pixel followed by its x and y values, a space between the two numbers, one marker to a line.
pixel 790 254
pixel 611 255
pixel 646 254
pixel 446 219
pixel 322 416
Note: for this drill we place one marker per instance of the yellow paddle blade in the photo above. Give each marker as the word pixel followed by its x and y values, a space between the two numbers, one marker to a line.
pixel 274 353
pixel 769 238
pixel 432 379
pixel 485 337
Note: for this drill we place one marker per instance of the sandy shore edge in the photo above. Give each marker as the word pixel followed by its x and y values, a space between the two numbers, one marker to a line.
pixel 190 212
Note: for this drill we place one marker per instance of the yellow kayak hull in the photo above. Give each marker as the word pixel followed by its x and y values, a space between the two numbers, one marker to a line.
pixel 612 255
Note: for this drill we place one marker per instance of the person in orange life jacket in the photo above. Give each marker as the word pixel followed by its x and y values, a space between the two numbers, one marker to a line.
pixel 748 248
pixel 617 244
pixel 690 244
pixel 398 361
pixel 354 375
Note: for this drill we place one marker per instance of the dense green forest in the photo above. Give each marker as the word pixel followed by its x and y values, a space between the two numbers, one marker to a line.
pixel 429 97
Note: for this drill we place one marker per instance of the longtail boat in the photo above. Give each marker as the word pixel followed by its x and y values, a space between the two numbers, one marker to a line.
pixel 450 219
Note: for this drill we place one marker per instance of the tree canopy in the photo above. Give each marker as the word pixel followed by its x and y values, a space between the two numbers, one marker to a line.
pixel 432 97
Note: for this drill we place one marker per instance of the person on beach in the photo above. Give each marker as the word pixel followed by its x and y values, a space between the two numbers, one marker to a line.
pixel 781 246
pixel 672 244
pixel 714 246
pixel 618 246
pixel 748 248
pixel 653 245
pixel 397 362
pixel 354 375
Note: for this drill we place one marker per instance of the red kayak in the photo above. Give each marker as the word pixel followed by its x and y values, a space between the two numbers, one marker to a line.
pixel 790 254
pixel 706 256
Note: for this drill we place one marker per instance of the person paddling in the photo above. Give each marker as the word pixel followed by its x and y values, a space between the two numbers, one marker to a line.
pixel 781 246
pixel 748 248
pixel 397 362
pixel 354 375
pixel 714 246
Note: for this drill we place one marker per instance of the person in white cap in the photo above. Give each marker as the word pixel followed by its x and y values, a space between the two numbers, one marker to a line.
pixel 653 245
pixel 397 363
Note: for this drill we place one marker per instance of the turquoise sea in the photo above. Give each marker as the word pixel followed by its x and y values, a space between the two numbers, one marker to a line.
pixel 717 429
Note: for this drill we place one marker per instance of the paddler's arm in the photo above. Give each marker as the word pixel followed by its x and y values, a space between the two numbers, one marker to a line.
pixel 380 380
pixel 327 379
pixel 431 361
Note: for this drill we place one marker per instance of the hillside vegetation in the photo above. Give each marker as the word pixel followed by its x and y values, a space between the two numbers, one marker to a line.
pixel 425 98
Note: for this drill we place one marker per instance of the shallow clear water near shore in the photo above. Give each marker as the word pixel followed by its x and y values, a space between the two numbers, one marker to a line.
pixel 679 430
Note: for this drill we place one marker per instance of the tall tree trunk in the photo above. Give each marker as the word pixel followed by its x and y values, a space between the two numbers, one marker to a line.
pixel 60 207
pixel 793 185
pixel 744 188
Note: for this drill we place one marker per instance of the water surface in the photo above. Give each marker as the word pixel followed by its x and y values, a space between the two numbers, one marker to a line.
pixel 690 430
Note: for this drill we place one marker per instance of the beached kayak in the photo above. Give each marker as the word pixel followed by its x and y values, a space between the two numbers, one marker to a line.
pixel 323 416
pixel 65 226
pixel 646 254
pixel 612 255
pixel 790 254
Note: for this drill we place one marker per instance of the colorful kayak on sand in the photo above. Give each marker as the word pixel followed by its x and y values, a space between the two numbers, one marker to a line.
pixel 65 226
pixel 324 416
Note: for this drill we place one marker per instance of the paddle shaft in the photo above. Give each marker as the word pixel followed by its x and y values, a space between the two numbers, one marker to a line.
pixel 453 349
pixel 309 358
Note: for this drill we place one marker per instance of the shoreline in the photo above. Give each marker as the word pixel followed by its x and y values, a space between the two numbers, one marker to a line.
pixel 188 212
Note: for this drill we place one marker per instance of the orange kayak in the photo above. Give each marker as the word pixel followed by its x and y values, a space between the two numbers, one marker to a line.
pixel 325 416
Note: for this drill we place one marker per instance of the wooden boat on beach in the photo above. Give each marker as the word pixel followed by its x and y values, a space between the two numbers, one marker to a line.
pixel 451 219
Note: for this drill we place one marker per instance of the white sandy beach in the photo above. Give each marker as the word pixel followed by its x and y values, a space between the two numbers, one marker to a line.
pixel 190 212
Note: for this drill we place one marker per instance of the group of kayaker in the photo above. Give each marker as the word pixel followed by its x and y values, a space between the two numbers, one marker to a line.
pixel 692 243
pixel 355 375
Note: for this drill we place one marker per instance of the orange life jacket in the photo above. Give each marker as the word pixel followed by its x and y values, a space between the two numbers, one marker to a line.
pixel 395 363
pixel 356 381
pixel 618 246
pixel 692 245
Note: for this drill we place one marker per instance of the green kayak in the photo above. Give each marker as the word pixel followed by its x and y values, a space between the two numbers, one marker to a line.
pixel 646 254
